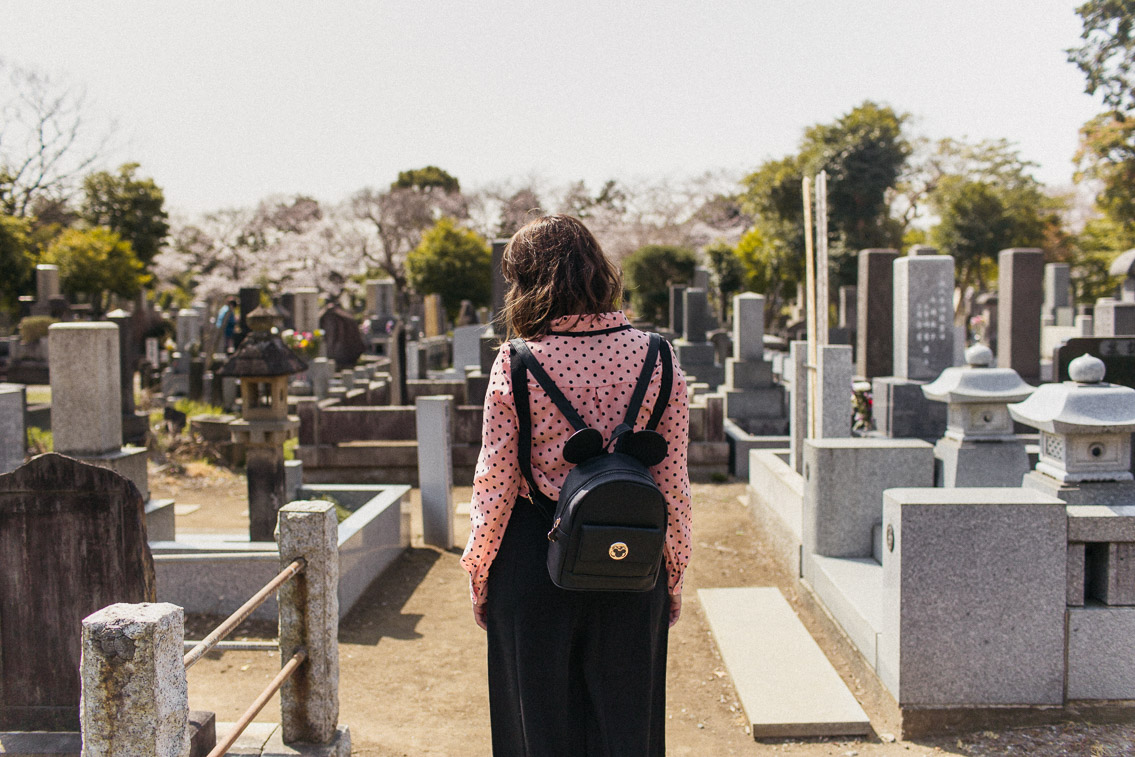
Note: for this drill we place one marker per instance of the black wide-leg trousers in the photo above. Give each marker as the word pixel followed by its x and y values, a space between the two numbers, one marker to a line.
pixel 571 673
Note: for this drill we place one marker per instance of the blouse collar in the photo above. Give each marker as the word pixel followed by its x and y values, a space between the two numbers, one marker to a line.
pixel 583 324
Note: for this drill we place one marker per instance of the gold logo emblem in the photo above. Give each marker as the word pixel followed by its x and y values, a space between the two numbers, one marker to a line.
pixel 618 551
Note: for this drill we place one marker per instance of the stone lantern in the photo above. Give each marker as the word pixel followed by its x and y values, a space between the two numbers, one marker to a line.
pixel 979 447
pixel 263 364
pixel 1085 436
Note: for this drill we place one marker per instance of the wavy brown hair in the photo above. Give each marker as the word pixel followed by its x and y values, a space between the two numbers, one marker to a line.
pixel 556 268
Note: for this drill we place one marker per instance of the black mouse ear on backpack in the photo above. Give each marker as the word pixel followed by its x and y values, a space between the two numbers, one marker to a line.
pixel 583 445
pixel 648 447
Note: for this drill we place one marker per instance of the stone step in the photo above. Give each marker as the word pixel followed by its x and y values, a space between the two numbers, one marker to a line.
pixel 786 685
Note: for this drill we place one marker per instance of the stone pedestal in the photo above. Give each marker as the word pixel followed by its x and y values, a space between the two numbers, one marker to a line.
pixel 695 354
pixel 971 463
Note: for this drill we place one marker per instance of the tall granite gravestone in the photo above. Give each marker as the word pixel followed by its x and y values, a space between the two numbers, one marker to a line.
pixel 923 346
pixel 874 340
pixel 46 288
pixel 13 435
pixel 677 314
pixel 1058 309
pixel 135 425
pixel 72 541
pixel 249 301
pixel 694 352
pixel 435 315
pixel 500 286
pixel 380 299
pixel 1020 289
pixel 752 399
pixel 286 306
pixel 306 315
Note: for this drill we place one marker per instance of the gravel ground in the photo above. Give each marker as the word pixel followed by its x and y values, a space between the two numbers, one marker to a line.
pixel 413 674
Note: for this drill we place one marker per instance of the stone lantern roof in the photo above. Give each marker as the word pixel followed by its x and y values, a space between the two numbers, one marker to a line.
pixel 1086 404
pixel 977 382
pixel 1124 265
pixel 262 353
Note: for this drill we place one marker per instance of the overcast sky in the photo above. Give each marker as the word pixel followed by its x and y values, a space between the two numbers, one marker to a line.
pixel 224 103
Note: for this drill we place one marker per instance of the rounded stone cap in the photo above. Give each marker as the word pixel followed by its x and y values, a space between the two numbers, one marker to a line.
pixel 977 383
pixel 979 356
pixel 1087 369
pixel 1079 407
pixel 1124 265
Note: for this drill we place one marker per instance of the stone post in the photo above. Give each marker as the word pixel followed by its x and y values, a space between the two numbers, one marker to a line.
pixel 435 468
pixel 13 435
pixel 677 322
pixel 264 466
pixel 46 282
pixel 748 326
pixel 1058 306
pixel 135 699
pixel 86 394
pixel 309 618
pixel 320 374
pixel 798 416
pixel 1020 288
pixel 135 426
pixel 874 348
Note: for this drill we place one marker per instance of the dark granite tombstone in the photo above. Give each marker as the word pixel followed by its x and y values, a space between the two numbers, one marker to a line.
pixel 677 316
pixel 135 426
pixel 874 343
pixel 342 336
pixel 398 392
pixel 72 541
pixel 1021 293
pixel 286 306
pixel 1116 352
pixel 249 301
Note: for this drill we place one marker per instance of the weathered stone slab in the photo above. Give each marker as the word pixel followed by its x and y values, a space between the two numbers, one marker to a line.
pixel 72 541
pixel 86 394
pixel 786 685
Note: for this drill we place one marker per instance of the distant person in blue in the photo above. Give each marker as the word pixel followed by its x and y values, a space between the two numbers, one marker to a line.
pixel 226 322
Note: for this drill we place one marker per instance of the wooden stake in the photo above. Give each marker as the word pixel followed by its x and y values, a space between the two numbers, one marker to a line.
pixel 810 304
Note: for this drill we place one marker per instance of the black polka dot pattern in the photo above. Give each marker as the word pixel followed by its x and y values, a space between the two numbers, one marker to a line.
pixel 597 374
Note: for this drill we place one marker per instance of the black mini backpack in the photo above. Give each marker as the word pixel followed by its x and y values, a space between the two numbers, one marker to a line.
pixel 608 527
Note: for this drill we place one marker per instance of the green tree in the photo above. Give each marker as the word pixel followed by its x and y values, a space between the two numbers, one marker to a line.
pixel 96 263
pixel 728 274
pixel 772 267
pixel 131 206
pixel 649 272
pixel 427 179
pixel 1107 55
pixel 453 262
pixel 17 261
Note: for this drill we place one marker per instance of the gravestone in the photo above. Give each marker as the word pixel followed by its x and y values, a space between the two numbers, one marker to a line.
pixel 677 315
pixel 398 391
pixel 1117 354
pixel 848 308
pixel 342 337
pixel 306 315
pixel 380 299
pixel 1020 289
pixel 13 435
pixel 1058 308
pixel 1114 318
pixel 286 307
pixel 435 315
pixel 467 345
pixel 72 541
pixel 249 301
pixel 500 286
pixel 752 399
pixel 434 417
pixel 798 405
pixel 924 315
pixel 874 342
pixel 135 425
pixel 694 352
pixel 701 278
pixel 86 392
pixel 46 282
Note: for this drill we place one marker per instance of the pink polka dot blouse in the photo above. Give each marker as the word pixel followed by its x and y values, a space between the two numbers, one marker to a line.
pixel 597 373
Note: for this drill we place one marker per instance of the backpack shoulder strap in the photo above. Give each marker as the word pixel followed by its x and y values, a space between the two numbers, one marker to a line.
pixel 545 381
pixel 666 386
pixel 519 375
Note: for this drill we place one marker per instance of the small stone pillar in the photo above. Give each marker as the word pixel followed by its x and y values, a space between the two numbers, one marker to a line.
pixel 833 391
pixel 979 447
pixel 46 282
pixel 263 363
pixel 320 372
pixel 798 411
pixel 435 468
pixel 1085 440
pixel 309 618
pixel 135 698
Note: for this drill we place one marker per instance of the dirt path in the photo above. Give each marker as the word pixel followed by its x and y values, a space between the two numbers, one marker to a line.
pixel 413 673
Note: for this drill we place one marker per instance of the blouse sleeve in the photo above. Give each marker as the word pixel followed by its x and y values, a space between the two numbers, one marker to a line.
pixel 673 478
pixel 496 481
